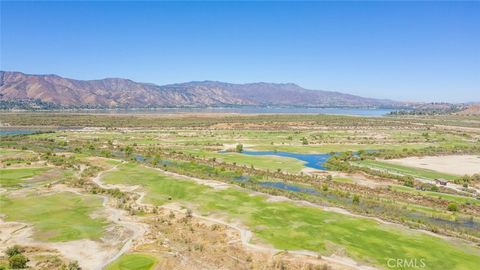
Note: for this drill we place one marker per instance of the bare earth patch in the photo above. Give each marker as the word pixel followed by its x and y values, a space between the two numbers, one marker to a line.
pixel 454 164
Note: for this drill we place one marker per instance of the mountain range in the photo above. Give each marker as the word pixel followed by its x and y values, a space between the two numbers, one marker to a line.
pixel 52 91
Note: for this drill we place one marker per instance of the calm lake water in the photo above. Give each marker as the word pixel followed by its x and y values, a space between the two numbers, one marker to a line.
pixel 315 161
pixel 16 132
pixel 245 110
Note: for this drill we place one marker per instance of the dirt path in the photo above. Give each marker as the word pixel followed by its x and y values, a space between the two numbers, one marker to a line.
pixel 120 217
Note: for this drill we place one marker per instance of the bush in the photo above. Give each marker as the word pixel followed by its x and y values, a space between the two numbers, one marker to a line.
pixel 356 199
pixel 74 266
pixel 452 207
pixel 18 261
pixel 239 148
pixel 13 250
pixel 408 181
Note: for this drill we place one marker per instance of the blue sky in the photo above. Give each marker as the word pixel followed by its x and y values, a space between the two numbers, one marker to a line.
pixel 425 51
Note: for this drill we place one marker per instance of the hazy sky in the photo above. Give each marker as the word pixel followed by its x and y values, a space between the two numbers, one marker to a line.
pixel 402 50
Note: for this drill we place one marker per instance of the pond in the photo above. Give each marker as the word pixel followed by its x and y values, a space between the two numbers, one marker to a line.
pixel 16 132
pixel 314 161
pixel 289 187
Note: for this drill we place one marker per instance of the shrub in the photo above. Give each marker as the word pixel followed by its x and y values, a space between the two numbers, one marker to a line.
pixel 13 250
pixel 452 207
pixel 356 199
pixel 239 148
pixel 74 266
pixel 408 181
pixel 18 261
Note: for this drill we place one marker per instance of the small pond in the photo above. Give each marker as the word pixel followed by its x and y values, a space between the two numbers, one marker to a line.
pixel 16 132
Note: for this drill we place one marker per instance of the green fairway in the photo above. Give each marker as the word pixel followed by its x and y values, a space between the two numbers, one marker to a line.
pixel 415 172
pixel 133 261
pixel 14 177
pixel 56 218
pixel 292 227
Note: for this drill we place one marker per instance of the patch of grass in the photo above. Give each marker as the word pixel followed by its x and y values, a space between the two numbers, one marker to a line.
pixel 343 179
pixel 15 176
pixel 292 227
pixel 4 151
pixel 133 261
pixel 56 218
pixel 272 163
pixel 415 172
pixel 327 148
pixel 162 189
pixel 449 197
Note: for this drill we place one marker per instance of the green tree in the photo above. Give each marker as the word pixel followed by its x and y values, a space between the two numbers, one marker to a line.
pixel 239 148
pixel 408 181
pixel 13 250
pixel 356 199
pixel 18 261
pixel 304 141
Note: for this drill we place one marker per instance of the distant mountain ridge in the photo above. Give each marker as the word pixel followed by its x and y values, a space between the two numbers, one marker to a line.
pixel 56 91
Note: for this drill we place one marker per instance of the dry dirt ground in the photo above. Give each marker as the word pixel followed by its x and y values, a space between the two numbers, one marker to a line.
pixel 453 164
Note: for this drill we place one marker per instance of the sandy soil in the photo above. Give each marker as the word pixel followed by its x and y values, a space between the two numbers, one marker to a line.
pixel 454 164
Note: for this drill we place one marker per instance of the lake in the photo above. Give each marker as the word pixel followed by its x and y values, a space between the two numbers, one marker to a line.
pixel 245 110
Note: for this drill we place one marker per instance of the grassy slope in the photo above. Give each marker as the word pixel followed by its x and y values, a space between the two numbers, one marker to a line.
pixel 288 226
pixel 59 217
pixel 13 177
pixel 133 261
pixel 416 172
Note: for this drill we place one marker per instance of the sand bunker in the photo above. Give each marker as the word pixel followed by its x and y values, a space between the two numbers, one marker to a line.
pixel 454 164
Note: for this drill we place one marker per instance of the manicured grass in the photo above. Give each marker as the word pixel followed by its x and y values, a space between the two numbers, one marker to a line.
pixel 416 172
pixel 289 226
pixel 449 197
pixel 133 261
pixel 56 218
pixel 14 177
